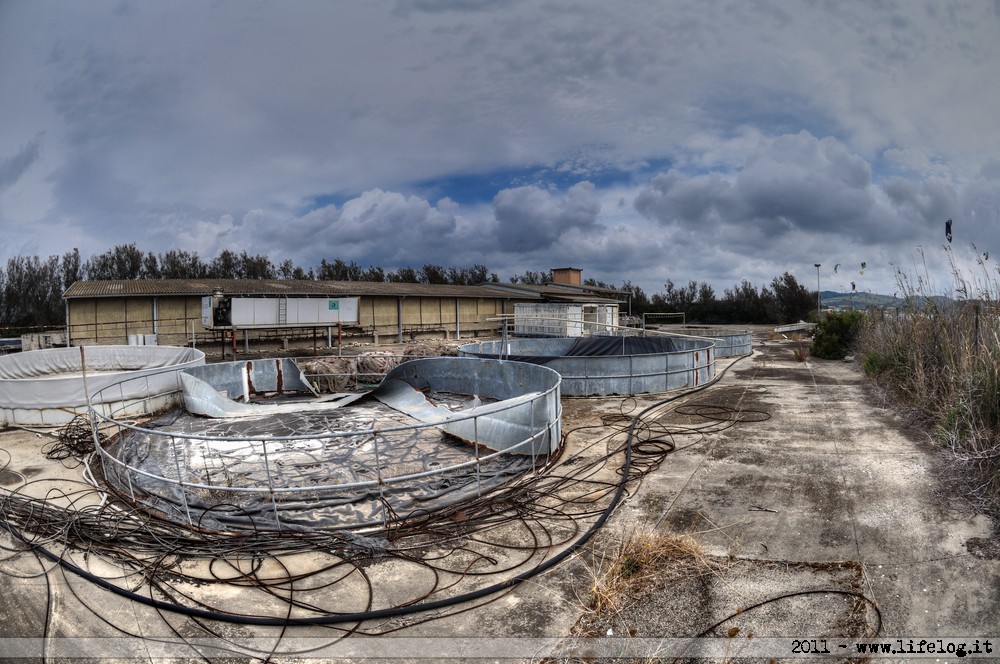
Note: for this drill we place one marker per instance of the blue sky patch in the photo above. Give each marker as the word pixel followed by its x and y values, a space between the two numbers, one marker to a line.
pixel 478 188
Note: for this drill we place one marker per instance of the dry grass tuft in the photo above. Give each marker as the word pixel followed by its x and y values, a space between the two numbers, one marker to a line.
pixel 644 560
pixel 801 351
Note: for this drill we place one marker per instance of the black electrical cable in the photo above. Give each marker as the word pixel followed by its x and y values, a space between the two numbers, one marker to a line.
pixel 410 608
pixel 800 593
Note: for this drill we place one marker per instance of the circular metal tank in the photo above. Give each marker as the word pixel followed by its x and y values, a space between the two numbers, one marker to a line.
pixel 49 387
pixel 616 365
pixel 728 343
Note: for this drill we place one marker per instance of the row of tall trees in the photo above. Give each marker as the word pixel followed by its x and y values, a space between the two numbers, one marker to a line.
pixel 31 291
pixel 784 301
pixel 127 261
pixel 31 288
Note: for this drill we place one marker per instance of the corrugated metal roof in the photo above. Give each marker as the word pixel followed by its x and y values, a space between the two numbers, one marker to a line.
pixel 583 288
pixel 565 293
pixel 273 287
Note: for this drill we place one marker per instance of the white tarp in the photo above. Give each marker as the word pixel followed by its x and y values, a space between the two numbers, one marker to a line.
pixel 46 387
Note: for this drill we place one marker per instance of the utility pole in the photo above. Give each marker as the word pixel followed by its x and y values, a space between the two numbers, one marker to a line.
pixel 819 306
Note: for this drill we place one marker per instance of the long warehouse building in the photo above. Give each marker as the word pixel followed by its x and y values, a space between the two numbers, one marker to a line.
pixel 171 311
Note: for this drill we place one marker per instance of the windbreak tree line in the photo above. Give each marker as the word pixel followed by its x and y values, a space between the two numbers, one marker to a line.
pixel 785 301
pixel 31 288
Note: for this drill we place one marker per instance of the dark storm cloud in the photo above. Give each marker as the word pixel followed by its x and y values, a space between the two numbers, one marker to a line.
pixel 813 185
pixel 102 96
pixel 922 203
pixel 14 166
pixel 530 219
pixel 797 184
pixel 111 107
pixel 391 229
pixel 675 200
pixel 377 227
pixel 438 6
pixel 980 205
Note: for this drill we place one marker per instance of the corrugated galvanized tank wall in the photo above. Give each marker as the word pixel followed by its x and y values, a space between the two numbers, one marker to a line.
pixel 685 362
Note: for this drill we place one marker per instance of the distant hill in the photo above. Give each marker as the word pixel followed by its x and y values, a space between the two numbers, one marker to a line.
pixel 862 301
pixel 835 300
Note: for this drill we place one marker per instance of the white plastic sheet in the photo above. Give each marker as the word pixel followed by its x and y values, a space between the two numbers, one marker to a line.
pixel 46 387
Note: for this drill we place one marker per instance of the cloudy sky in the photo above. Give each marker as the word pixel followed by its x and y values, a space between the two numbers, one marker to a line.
pixel 707 141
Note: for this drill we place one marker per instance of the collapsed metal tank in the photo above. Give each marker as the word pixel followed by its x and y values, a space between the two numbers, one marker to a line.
pixel 434 433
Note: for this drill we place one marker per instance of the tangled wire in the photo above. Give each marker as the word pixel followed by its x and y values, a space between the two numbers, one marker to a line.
pixel 73 441
pixel 454 559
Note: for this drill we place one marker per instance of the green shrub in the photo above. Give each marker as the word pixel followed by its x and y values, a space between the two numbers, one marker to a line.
pixel 887 361
pixel 834 336
pixel 874 363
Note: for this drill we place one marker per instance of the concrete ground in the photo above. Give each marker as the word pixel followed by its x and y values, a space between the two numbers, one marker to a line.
pixel 812 515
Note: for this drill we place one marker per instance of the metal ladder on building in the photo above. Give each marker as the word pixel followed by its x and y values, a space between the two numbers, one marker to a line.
pixel 282 311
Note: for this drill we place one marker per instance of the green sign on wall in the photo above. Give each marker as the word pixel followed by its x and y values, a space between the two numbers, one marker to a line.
pixel 333 305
